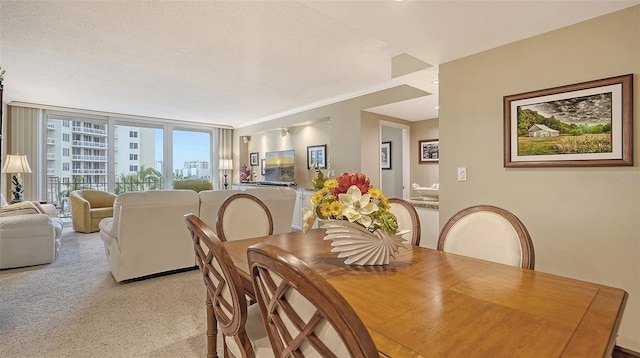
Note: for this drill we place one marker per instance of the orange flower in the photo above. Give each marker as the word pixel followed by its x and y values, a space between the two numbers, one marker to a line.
pixel 346 180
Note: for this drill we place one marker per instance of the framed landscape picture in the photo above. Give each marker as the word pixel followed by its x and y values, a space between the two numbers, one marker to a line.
pixel 253 159
pixel 429 151
pixel 583 124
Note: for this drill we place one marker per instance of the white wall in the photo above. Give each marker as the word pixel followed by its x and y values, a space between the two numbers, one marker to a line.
pixel 585 222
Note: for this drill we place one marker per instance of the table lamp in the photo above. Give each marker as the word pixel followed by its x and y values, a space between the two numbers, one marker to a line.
pixel 16 164
pixel 226 164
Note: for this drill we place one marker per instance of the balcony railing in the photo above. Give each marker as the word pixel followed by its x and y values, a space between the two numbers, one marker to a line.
pixel 51 156
pixel 58 189
pixel 81 171
pixel 91 158
pixel 101 132
pixel 51 141
pixel 85 143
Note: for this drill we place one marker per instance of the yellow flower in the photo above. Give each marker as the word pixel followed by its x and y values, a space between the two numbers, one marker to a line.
pixel 335 208
pixel 331 183
pixel 325 210
pixel 383 202
pixel 375 193
pixel 318 196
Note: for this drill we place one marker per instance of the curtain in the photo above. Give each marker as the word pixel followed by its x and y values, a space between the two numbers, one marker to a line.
pixel 225 151
pixel 23 138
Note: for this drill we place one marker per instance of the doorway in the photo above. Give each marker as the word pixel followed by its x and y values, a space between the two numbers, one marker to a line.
pixel 394 176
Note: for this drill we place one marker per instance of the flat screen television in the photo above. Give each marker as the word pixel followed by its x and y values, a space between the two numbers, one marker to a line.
pixel 279 166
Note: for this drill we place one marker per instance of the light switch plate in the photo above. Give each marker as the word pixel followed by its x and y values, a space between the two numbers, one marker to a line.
pixel 462 174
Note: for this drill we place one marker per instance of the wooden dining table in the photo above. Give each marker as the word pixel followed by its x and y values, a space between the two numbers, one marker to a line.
pixel 429 303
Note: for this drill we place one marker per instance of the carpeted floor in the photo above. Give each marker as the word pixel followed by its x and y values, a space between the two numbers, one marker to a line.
pixel 74 308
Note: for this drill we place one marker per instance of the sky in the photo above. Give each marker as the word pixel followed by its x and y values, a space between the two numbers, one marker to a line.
pixel 186 146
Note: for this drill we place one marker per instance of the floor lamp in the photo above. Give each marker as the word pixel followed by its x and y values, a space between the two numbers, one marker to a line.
pixel 226 164
pixel 16 164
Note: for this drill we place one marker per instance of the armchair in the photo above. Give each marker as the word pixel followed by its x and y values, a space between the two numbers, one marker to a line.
pixel 89 207
pixel 29 234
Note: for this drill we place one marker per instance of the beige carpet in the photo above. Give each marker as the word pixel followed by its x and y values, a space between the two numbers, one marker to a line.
pixel 74 308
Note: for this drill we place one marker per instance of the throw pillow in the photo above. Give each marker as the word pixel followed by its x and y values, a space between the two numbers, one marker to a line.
pixel 21 208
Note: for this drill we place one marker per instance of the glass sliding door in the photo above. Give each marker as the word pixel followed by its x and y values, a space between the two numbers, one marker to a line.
pixel 76 157
pixel 138 153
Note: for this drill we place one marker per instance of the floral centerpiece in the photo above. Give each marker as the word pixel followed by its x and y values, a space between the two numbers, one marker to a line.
pixel 351 197
pixel 357 219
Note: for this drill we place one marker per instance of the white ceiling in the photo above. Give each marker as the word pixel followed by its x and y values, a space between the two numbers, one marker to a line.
pixel 241 62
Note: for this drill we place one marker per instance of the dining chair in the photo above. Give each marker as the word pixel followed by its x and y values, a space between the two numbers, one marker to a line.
pixel 242 216
pixel 243 331
pixel 407 219
pixel 304 315
pixel 489 233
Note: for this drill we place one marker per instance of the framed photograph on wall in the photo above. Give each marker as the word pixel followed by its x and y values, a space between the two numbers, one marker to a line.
pixel 385 156
pixel 253 159
pixel 317 155
pixel 583 124
pixel 429 151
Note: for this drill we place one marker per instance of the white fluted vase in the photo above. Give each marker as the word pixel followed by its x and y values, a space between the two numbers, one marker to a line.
pixel 359 245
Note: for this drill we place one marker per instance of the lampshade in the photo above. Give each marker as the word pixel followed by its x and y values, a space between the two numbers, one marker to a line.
pixel 15 163
pixel 226 164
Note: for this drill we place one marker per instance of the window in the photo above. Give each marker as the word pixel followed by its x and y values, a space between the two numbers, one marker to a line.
pixel 77 155
pixel 192 154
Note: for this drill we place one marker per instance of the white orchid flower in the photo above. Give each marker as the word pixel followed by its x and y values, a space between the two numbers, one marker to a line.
pixel 308 219
pixel 357 207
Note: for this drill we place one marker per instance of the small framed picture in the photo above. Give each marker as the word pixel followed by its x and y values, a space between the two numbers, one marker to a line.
pixel 253 159
pixel 262 169
pixel 429 151
pixel 385 156
pixel 317 156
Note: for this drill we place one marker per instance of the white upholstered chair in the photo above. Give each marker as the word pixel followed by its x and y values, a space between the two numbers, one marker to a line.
pixel 241 325
pixel 242 216
pixel 304 315
pixel 489 233
pixel 29 234
pixel 407 219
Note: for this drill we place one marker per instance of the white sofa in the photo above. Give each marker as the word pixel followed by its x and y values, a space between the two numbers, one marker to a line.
pixel 280 201
pixel 147 234
pixel 29 235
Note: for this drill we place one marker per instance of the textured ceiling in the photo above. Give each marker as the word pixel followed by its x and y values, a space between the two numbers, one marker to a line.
pixel 241 62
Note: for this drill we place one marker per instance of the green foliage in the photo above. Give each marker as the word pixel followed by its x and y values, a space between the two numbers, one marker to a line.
pixel 144 179
pixel 527 118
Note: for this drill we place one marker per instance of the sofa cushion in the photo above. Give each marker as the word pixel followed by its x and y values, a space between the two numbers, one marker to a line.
pixel 102 212
pixel 21 208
